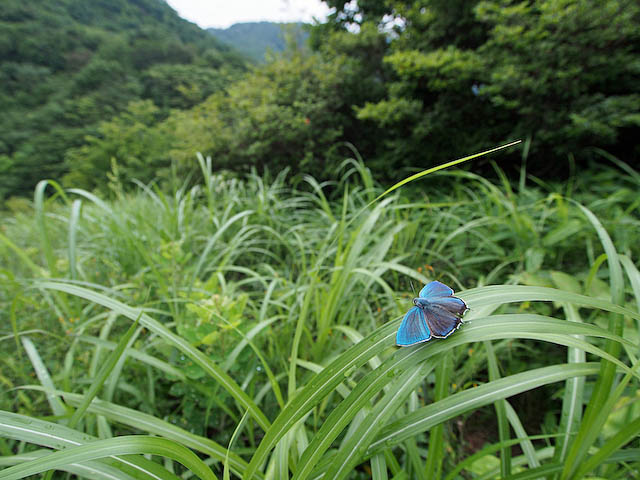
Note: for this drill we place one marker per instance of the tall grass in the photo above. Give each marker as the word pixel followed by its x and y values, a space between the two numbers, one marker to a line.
pixel 253 322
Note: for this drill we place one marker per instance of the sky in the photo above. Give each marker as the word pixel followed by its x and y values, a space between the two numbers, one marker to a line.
pixel 224 13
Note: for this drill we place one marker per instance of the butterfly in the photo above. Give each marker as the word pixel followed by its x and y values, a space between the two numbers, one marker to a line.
pixel 436 314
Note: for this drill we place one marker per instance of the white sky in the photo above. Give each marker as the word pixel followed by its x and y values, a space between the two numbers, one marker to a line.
pixel 224 13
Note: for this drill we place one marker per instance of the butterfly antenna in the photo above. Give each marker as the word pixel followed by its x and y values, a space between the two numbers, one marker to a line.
pixel 412 289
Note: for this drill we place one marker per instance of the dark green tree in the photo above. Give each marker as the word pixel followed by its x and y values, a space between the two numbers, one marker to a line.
pixel 68 65
pixel 465 75
pixel 133 139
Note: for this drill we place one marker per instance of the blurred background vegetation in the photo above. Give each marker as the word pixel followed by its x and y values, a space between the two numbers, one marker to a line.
pixel 407 83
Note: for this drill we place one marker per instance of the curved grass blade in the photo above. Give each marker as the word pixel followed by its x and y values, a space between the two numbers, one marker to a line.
pixel 172 339
pixel 379 468
pixel 500 294
pixel 524 440
pixel 373 383
pixel 441 167
pixel 321 385
pixel 624 436
pixel 426 417
pixel 488 450
pixel 57 407
pixel 59 437
pixel 353 449
pixel 39 204
pixel 125 445
pixel 501 413
pixel 165 367
pixel 76 207
pixel 91 469
pixel 496 327
pixel 590 428
pixel 382 338
pixel 433 466
pixel 103 373
pixel 572 399
pixel 151 424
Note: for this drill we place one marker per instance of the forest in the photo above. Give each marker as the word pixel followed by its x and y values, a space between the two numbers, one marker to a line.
pixel 402 245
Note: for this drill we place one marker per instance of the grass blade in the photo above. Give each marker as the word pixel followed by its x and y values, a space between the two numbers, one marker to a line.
pixel 57 407
pixel 103 373
pixel 501 413
pixel 125 445
pixel 426 417
pixel 52 435
pixel 172 339
pixel 433 467
pixel 589 429
pixel 624 436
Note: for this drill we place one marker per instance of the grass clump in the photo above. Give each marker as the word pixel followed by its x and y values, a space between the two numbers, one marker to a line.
pixel 266 315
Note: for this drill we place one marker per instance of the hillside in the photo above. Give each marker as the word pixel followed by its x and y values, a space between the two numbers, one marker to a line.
pixel 254 39
pixel 67 65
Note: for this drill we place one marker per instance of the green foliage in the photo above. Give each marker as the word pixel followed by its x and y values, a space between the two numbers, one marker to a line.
pixel 66 66
pixel 290 113
pixel 267 316
pixel 561 72
pixel 131 140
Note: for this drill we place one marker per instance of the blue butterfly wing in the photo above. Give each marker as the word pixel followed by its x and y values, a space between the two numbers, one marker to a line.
pixel 454 305
pixel 440 321
pixel 435 289
pixel 413 329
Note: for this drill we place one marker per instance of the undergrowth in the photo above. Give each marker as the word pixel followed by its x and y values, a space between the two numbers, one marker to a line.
pixel 253 322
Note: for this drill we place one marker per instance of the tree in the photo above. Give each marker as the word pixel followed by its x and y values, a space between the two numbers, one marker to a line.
pixel 294 112
pixel 134 139
pixel 467 75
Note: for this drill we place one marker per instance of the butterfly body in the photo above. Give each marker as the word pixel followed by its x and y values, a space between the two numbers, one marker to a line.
pixel 437 313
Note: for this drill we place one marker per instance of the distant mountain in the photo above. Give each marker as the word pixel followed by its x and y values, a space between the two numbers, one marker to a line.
pixel 67 65
pixel 255 38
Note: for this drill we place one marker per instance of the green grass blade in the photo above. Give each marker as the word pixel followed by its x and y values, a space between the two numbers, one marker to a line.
pixel 76 207
pixel 373 383
pixel 39 201
pixel 125 445
pixel 539 472
pixel 320 386
pixel 490 328
pixel 605 381
pixel 172 339
pixel 156 426
pixel 352 451
pixel 164 367
pixel 634 279
pixel 227 461
pixel 441 167
pixel 489 450
pixel 52 435
pixel 379 468
pixel 621 438
pixel 572 399
pixel 435 454
pixel 21 255
pixel 525 443
pixel 426 417
pixel 501 294
pixel 57 407
pixel 91 469
pixel 104 373
pixel 501 413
